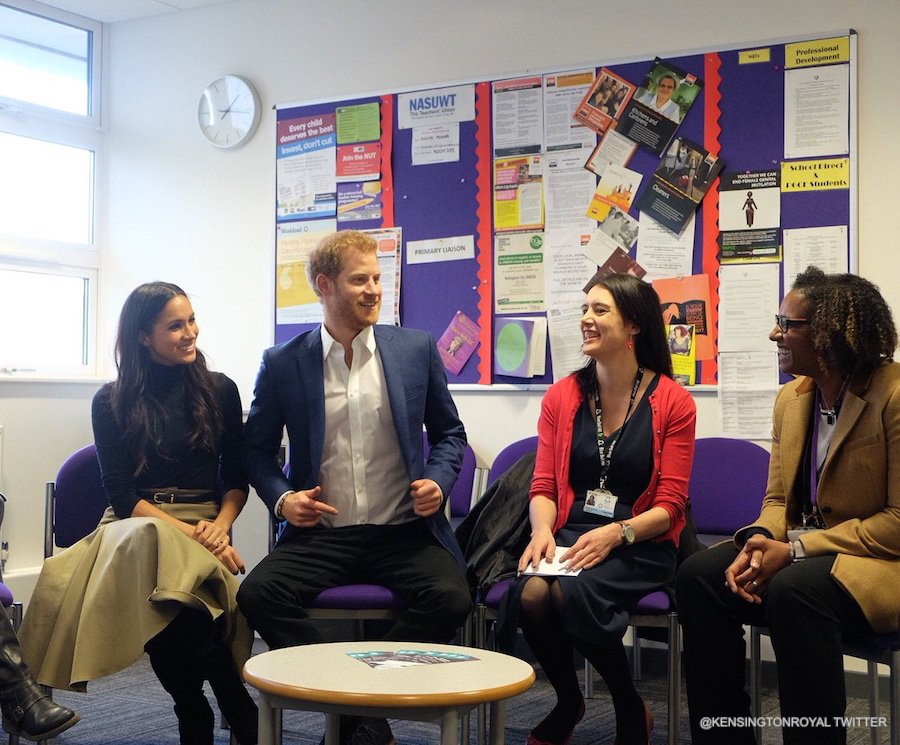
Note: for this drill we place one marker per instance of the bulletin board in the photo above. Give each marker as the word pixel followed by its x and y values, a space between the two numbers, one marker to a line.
pixel 746 113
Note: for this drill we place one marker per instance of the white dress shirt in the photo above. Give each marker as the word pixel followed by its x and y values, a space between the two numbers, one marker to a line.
pixel 363 473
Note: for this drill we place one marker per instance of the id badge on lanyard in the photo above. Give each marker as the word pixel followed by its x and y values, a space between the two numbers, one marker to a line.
pixel 600 502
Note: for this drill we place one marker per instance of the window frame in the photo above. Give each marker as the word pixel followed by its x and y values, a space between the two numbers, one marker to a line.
pixel 93 117
pixel 74 130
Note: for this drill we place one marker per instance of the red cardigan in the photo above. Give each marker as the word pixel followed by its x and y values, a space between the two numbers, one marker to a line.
pixel 674 420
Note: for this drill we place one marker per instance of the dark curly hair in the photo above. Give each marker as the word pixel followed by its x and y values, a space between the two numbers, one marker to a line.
pixel 638 303
pixel 851 326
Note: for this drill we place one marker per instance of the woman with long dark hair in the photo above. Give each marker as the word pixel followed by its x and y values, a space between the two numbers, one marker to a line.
pixel 157 574
pixel 615 445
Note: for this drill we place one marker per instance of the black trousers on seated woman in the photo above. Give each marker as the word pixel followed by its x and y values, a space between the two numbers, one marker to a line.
pixel 808 615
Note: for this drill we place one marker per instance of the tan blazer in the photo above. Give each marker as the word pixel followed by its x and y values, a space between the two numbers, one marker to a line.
pixel 859 488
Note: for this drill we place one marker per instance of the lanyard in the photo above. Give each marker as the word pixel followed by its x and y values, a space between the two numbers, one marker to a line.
pixel 606 458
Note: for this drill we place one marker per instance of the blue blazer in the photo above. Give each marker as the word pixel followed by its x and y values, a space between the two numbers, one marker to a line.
pixel 290 392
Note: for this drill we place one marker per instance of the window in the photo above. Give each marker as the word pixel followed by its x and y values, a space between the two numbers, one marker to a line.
pixel 50 143
pixel 34 300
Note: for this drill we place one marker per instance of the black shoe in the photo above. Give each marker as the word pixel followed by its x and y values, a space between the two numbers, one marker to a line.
pixel 38 719
pixel 373 731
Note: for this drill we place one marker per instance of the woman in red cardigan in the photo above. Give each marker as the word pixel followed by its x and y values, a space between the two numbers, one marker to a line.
pixel 615 446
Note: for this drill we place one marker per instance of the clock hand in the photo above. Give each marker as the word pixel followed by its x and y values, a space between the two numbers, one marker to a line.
pixel 223 113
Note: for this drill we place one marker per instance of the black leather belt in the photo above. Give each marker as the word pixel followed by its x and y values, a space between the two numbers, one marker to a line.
pixel 171 495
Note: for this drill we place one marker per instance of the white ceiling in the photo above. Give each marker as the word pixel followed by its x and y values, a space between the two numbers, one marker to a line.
pixel 110 11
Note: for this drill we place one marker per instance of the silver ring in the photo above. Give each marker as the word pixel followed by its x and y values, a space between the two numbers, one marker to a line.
pixel 754 583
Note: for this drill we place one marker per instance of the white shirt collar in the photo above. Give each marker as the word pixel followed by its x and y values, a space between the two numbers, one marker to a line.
pixel 364 339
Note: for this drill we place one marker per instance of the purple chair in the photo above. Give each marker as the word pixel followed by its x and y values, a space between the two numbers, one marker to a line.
pixel 728 481
pixel 13 609
pixel 75 502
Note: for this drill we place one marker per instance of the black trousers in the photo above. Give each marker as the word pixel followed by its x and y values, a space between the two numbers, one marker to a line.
pixel 808 615
pixel 406 558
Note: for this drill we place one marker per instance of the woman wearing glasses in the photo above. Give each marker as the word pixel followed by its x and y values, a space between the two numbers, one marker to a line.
pixel 820 564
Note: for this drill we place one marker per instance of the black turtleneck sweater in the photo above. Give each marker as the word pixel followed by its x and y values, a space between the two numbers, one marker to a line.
pixel 174 464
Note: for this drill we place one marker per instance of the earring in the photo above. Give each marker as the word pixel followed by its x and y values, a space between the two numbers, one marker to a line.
pixel 629 344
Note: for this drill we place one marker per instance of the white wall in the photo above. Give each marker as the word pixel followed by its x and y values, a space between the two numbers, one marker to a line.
pixel 180 210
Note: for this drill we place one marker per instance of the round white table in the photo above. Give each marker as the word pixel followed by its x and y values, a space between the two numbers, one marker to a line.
pixel 324 677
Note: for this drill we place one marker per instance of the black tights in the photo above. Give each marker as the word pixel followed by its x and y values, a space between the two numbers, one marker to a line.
pixel 540 617
pixel 184 654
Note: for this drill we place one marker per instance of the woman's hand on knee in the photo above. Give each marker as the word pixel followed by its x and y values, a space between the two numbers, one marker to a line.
pixel 541 546
pixel 593 547
pixel 211 536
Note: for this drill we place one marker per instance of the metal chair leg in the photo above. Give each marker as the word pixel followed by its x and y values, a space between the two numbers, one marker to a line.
pixel 755 680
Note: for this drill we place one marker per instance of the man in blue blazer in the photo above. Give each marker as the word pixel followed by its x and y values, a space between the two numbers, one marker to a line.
pixel 361 504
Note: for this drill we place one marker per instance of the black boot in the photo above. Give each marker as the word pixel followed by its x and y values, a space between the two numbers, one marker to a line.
pixel 217 665
pixel 234 701
pixel 177 672
pixel 27 711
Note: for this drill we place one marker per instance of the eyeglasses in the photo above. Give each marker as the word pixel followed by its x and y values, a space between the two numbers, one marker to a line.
pixel 784 323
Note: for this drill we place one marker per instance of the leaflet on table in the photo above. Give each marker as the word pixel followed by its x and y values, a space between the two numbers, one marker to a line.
pixel 305 172
pixel 358 123
pixel 518 272
pixel 518 193
pixel 409 658
pixel 295 300
pixel 518 116
pixel 562 92
pixel 617 188
pixel 604 101
pixel 613 149
pixel 659 105
pixel 749 217
pixel 679 184
pixel 520 345
pixel 388 242
pixel 567 188
pixel 358 162
pixel 359 201
pixel 554 567
pixel 458 342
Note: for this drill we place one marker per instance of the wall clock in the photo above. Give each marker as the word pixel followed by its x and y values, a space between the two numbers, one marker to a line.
pixel 228 112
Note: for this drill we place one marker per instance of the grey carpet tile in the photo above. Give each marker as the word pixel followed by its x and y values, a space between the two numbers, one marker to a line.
pixel 131 708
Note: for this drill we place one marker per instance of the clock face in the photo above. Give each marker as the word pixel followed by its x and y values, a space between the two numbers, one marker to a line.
pixel 228 112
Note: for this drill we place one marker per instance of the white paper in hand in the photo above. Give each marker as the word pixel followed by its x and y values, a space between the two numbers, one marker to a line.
pixel 553 568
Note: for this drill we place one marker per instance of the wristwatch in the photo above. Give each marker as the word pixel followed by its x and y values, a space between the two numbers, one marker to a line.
pixel 627 533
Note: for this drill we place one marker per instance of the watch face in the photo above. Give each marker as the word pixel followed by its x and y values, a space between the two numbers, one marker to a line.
pixel 228 112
